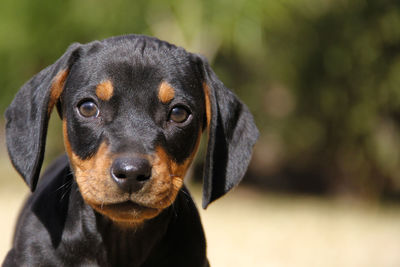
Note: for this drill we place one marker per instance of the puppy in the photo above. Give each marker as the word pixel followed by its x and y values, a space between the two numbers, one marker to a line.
pixel 133 110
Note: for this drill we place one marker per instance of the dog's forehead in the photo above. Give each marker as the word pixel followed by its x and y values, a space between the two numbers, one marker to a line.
pixel 138 66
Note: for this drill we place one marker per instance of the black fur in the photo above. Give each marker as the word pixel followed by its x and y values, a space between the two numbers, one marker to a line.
pixel 56 226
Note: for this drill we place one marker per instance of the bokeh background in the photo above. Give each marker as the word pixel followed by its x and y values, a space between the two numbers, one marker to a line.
pixel 322 79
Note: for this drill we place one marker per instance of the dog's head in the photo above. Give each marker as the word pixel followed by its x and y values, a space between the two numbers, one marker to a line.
pixel 133 110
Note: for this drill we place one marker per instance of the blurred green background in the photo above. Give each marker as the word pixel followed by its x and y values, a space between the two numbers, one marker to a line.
pixel 321 77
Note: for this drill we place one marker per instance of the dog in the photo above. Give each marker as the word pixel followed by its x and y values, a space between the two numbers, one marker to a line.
pixel 133 109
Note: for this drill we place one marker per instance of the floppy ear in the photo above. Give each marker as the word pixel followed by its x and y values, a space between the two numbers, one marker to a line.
pixel 27 116
pixel 231 137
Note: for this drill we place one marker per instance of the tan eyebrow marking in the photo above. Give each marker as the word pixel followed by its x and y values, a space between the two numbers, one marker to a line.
pixel 165 92
pixel 105 90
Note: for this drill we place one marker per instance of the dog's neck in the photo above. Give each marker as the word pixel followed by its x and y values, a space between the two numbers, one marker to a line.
pixel 132 244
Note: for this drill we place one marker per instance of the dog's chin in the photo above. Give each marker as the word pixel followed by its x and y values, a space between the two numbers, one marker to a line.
pixel 127 212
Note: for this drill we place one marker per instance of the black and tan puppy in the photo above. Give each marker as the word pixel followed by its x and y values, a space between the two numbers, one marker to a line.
pixel 133 110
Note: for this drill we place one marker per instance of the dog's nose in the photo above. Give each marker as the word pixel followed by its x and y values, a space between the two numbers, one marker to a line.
pixel 130 173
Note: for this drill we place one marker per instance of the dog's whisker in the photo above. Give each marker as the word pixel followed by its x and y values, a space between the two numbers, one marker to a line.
pixel 66 187
pixel 62 186
pixel 186 194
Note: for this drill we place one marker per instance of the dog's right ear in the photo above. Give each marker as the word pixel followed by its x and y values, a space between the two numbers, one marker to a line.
pixel 28 115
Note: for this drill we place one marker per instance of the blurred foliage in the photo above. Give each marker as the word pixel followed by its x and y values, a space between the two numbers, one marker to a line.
pixel 322 77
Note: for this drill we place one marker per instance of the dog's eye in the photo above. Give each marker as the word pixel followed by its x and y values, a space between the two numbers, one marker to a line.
pixel 88 109
pixel 179 114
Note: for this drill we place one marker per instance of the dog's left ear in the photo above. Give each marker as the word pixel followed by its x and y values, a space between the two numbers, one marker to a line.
pixel 232 134
pixel 27 116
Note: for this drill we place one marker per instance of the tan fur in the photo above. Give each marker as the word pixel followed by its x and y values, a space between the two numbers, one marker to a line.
pixel 57 87
pixel 165 92
pixel 67 145
pixel 208 103
pixel 167 169
pixel 100 191
pixel 105 90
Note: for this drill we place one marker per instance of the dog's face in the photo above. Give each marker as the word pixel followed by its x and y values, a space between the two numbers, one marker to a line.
pixel 133 111
pixel 132 124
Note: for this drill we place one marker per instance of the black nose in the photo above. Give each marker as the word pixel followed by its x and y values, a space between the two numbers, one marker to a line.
pixel 130 173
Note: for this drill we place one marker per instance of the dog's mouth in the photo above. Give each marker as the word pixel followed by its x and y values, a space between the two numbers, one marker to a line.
pixel 126 211
pixel 124 206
